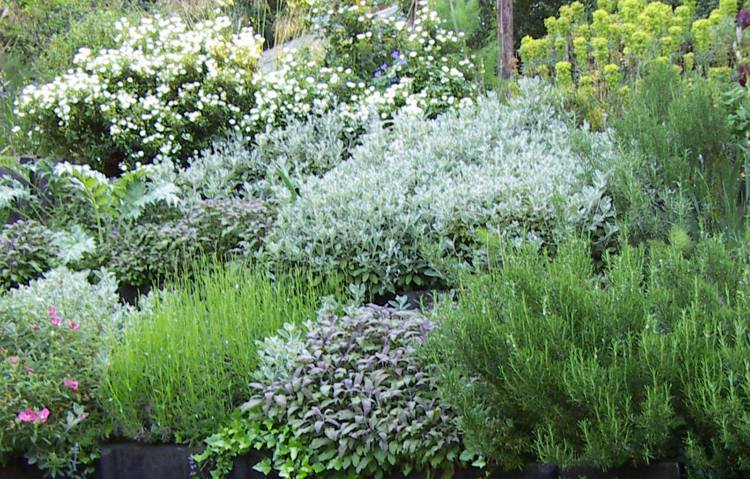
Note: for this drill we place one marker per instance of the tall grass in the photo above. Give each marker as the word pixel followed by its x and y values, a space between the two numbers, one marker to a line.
pixel 186 365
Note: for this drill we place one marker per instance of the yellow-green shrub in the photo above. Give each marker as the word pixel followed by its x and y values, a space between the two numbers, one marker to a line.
pixel 602 50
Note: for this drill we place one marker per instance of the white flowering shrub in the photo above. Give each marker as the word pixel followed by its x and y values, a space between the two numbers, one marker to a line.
pixel 164 91
pixel 167 89
pixel 512 167
pixel 370 62
pixel 420 66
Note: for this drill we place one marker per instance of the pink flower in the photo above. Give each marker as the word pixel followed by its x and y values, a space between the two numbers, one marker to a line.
pixel 43 415
pixel 28 369
pixel 28 415
pixel 73 325
pixel 13 360
pixel 71 384
pixel 54 318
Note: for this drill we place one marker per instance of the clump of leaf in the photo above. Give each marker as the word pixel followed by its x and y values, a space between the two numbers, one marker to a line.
pixel 25 253
pixel 552 359
pixel 147 252
pixel 354 401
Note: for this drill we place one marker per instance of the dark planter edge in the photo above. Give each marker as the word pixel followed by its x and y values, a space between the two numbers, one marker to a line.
pixel 124 460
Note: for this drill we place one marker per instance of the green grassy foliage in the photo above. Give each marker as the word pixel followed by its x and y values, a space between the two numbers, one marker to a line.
pixel 184 367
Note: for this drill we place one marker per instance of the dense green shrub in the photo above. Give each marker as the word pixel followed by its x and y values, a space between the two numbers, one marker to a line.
pixel 348 398
pixel 548 360
pixel 25 253
pixel 28 25
pixel 185 366
pixel 148 252
pixel 683 135
pixel 95 31
pixel 515 167
pixel 54 338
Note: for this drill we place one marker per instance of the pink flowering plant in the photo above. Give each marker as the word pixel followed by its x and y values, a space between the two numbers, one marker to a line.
pixel 54 338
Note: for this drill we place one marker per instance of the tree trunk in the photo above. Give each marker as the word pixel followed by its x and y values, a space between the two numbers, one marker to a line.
pixel 505 59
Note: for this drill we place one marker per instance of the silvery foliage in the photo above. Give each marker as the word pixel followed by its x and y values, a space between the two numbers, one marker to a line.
pixel 277 355
pixel 236 164
pixel 72 244
pixel 509 166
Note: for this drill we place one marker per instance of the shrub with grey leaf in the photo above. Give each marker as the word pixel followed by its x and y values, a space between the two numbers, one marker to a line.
pixel 512 166
pixel 302 148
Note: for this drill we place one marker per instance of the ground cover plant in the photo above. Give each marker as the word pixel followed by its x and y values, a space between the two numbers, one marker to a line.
pixel 185 365
pixel 549 360
pixel 342 396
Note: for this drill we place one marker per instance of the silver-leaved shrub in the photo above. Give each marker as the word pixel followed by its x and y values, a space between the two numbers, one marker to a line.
pixel 264 166
pixel 55 335
pixel 350 397
pixel 517 167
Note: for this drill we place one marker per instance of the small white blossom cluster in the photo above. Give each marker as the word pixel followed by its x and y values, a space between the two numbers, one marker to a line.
pixel 161 93
pixel 426 73
pixel 420 69
pixel 510 167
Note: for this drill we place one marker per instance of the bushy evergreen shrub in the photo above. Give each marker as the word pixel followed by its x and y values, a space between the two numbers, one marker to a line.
pixel 516 167
pixel 687 153
pixel 548 359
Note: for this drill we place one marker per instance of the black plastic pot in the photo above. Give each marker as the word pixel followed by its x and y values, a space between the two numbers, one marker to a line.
pixel 659 470
pixel 131 460
pixel 130 294
pixel 20 470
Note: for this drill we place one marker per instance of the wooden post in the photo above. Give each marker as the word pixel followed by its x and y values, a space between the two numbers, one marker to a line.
pixel 505 58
